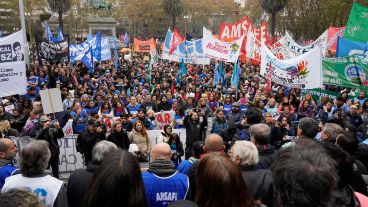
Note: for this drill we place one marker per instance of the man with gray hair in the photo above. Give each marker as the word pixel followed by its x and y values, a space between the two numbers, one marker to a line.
pixel 330 131
pixel 260 135
pixel 80 180
pixel 34 159
pixel 259 181
pixel 162 182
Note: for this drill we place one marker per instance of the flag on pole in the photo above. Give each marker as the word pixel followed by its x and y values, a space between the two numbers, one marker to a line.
pixel 176 39
pixel 216 77
pixel 126 39
pixel 357 25
pixel 235 75
pixel 116 55
pixel 182 72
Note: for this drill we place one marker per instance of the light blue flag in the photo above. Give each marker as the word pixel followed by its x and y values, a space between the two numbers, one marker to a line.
pixel 50 36
pixel 116 54
pixel 216 77
pixel 235 75
pixel 105 49
pixel 92 52
pixel 346 47
pixel 126 39
pixel 48 32
pixel 183 71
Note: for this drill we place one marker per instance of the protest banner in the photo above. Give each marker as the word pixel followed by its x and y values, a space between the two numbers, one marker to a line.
pixel 318 93
pixel 217 49
pixel 287 48
pixel 144 45
pixel 53 51
pixel 165 117
pixel 13 78
pixel 231 32
pixel 357 25
pixel 51 100
pixel 304 71
pixel 188 51
pixel 346 47
pixel 351 72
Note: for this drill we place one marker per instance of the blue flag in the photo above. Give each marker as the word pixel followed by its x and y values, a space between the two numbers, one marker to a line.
pixel 346 47
pixel 49 35
pixel 235 75
pixel 182 72
pixel 93 52
pixel 116 55
pixel 126 40
pixel 216 77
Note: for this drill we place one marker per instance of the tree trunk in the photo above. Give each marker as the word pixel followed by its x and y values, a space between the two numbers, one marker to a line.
pixel 61 25
pixel 173 22
pixel 273 24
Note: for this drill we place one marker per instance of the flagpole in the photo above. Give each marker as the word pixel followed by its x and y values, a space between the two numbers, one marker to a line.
pixel 23 24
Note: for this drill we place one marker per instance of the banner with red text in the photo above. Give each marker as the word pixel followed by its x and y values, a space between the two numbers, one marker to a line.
pixel 217 49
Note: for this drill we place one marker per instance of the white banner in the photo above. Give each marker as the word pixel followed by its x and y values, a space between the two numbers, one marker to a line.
pixel 13 78
pixel 105 49
pixel 304 71
pixel 217 49
pixel 287 48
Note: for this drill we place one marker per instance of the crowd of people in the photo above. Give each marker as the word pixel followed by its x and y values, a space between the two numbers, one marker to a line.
pixel 244 146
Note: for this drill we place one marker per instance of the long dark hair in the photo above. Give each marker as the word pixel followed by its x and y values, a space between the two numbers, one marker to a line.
pixel 117 182
pixel 220 183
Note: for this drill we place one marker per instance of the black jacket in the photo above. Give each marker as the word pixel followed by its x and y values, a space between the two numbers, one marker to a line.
pixel 86 141
pixel 194 129
pixel 164 107
pixel 51 135
pixel 259 183
pixel 78 185
pixel 120 139
pixel 266 155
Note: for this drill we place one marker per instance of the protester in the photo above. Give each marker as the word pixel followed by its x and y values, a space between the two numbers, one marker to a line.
pixel 259 181
pixel 34 159
pixel 80 180
pixel 88 138
pixel 194 130
pixel 20 198
pixel 162 182
pixel 117 182
pixel 304 175
pixel 51 134
pixel 118 136
pixel 216 170
pixel 261 136
pixel 176 147
pixel 8 150
pixel 140 137
pixel 196 155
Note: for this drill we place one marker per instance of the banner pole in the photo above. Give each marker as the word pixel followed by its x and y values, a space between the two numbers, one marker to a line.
pixel 23 24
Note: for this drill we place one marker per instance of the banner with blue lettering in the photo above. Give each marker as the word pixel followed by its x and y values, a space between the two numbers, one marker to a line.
pixel 105 49
pixel 189 51
pixel 346 47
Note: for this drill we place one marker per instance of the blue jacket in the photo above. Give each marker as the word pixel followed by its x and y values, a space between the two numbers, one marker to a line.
pixel 161 191
pixel 6 171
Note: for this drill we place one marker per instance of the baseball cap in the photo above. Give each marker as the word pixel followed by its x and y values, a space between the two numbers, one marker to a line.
pixel 44 118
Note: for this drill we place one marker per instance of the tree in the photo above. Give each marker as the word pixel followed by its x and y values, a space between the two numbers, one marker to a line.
pixel 61 7
pixel 173 8
pixel 273 7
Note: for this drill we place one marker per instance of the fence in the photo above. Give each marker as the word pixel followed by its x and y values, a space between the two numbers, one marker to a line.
pixel 70 159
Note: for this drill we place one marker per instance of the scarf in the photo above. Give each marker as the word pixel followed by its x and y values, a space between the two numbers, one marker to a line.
pixel 162 167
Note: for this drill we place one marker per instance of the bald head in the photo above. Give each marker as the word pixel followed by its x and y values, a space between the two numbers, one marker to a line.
pixel 161 151
pixel 7 149
pixel 214 143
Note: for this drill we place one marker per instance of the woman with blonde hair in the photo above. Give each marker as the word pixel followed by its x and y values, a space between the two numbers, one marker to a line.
pixel 6 129
pixel 140 137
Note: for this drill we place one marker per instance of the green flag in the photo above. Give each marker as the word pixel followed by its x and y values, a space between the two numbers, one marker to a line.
pixel 351 72
pixel 357 26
